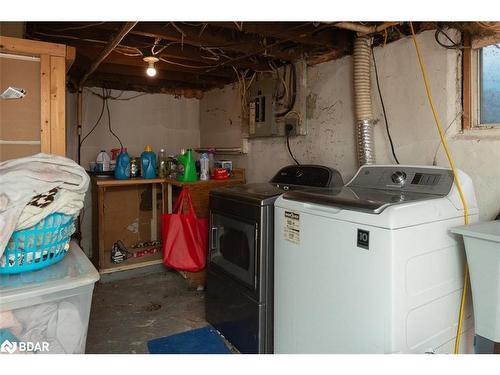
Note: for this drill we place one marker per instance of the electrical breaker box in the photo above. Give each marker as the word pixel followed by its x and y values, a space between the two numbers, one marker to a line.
pixel 266 118
pixel 261 118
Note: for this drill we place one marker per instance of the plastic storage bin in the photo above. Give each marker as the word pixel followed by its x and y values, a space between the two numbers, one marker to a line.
pixel 47 311
pixel 482 246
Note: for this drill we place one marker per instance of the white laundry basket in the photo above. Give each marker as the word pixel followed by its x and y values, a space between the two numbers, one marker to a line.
pixel 47 311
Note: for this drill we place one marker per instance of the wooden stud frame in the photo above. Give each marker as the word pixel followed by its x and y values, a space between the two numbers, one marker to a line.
pixel 467 83
pixel 471 82
pixel 55 60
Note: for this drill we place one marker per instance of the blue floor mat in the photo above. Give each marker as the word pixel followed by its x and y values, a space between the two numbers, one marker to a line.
pixel 204 340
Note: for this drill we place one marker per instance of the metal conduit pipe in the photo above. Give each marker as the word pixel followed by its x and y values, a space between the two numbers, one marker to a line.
pixel 363 101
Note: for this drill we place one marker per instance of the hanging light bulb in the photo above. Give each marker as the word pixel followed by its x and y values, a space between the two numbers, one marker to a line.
pixel 151 60
pixel 151 70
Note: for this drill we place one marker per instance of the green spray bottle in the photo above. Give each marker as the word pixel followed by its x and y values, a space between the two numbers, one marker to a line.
pixel 188 166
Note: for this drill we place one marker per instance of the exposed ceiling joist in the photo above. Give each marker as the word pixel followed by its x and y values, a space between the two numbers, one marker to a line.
pixel 107 50
pixel 308 33
pixel 214 38
pixel 201 55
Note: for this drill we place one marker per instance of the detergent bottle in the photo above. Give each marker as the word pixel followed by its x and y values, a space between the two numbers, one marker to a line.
pixel 148 163
pixel 122 169
pixel 188 170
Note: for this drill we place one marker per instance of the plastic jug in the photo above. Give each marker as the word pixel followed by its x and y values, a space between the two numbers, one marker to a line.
pixel 103 161
pixel 122 169
pixel 148 163
pixel 188 170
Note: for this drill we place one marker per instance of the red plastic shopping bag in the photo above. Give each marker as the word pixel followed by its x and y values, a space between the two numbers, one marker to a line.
pixel 185 237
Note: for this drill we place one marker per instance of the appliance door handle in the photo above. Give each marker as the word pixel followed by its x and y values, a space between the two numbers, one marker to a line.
pixel 214 241
pixel 256 255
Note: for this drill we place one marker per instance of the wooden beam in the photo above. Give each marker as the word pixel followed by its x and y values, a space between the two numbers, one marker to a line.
pixel 178 47
pixel 30 47
pixel 146 32
pixel 144 81
pixel 128 70
pixel 97 37
pixel 300 32
pixel 107 50
pixel 178 56
pixel 224 39
pixel 116 58
pixel 70 57
pixel 158 88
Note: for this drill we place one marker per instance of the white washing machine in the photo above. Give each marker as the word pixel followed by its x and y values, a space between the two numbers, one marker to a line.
pixel 372 267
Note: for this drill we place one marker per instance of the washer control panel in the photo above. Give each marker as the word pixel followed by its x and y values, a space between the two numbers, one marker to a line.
pixel 430 180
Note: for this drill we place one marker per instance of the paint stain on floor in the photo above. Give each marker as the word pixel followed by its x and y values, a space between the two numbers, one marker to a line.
pixel 126 314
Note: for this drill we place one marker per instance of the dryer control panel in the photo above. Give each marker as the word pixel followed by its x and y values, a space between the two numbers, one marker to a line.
pixel 431 180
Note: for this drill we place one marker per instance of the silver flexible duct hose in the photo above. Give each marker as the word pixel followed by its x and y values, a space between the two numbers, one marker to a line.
pixel 363 101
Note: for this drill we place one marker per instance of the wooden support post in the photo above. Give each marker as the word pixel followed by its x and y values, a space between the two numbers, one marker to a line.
pixel 154 219
pixel 466 83
pixel 169 197
pixel 58 105
pixel 79 121
pixel 45 103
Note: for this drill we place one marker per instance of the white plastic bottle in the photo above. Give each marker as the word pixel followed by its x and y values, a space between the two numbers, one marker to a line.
pixel 103 161
pixel 204 167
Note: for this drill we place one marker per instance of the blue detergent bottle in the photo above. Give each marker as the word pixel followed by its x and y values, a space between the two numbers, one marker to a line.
pixel 148 163
pixel 122 169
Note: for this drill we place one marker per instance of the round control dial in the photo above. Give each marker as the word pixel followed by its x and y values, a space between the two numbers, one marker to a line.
pixel 399 177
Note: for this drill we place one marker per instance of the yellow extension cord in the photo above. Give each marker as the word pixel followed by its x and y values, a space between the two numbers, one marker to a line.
pixel 457 182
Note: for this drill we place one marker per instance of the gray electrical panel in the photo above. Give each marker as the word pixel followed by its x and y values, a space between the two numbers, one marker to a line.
pixel 261 114
pixel 263 119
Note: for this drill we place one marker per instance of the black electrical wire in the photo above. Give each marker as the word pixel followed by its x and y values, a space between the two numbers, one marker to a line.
pixel 105 96
pixel 287 130
pixel 452 45
pixel 109 121
pixel 93 127
pixel 383 108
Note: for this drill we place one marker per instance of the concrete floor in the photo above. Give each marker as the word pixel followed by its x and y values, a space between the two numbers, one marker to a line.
pixel 127 313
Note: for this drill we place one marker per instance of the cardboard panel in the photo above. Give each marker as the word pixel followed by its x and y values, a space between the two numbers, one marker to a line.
pixel 128 216
pixel 17 151
pixel 20 118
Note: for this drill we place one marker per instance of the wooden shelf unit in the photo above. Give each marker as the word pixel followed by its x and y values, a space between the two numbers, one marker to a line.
pixel 116 203
pixel 126 210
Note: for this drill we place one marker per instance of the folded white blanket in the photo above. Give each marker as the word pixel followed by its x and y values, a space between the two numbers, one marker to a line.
pixel 24 178
pixel 65 201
